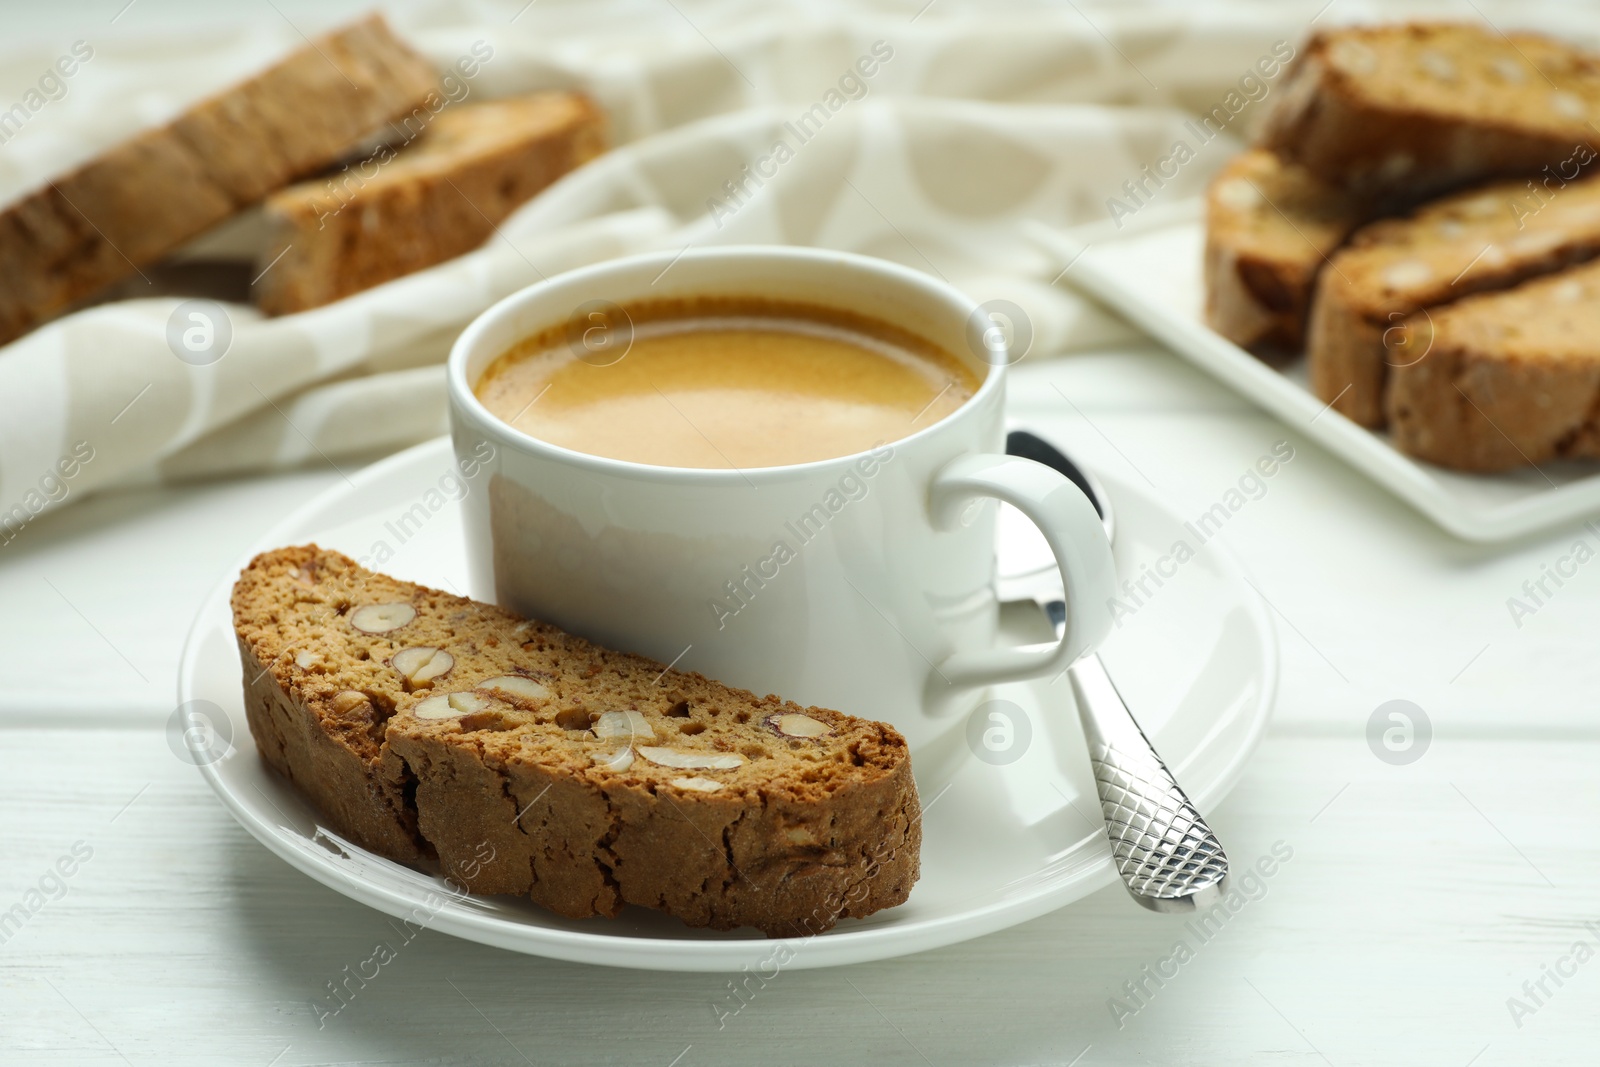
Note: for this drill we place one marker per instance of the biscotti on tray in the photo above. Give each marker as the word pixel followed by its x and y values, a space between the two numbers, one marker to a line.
pixel 1451 248
pixel 1428 106
pixel 437 730
pixel 1505 379
pixel 1270 226
pixel 419 203
pixel 1460 326
pixel 135 203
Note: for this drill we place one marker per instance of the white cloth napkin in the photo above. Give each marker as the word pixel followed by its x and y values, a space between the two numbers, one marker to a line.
pixel 921 133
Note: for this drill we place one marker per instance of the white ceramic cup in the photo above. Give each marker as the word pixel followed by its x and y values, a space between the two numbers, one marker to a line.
pixel 864 583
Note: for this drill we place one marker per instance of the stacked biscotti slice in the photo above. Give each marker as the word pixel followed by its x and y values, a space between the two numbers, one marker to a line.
pixel 437 196
pixel 443 177
pixel 1450 248
pixel 1424 107
pixel 1510 378
pixel 1270 226
pixel 1387 117
pixel 520 759
pixel 137 202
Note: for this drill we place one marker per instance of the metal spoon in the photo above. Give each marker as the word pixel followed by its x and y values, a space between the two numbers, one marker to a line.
pixel 1168 857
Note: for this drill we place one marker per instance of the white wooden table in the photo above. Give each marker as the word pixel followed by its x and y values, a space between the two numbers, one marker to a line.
pixel 1417 901
pixel 1418 898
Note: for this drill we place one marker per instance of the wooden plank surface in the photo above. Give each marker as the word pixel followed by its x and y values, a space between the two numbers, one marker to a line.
pixel 1413 902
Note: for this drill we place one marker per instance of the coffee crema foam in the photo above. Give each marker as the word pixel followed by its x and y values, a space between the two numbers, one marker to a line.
pixel 727 383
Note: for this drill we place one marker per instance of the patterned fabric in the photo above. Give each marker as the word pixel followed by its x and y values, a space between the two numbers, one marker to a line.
pixel 921 136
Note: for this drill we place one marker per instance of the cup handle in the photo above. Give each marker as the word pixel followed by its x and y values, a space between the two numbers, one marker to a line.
pixel 1073 530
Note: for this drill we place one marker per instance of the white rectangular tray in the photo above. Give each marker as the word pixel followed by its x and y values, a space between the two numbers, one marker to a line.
pixel 1150 272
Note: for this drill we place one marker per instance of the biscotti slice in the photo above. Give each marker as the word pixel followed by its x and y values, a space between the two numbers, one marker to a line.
pixel 1425 107
pixel 1508 379
pixel 1472 242
pixel 1270 226
pixel 140 200
pixel 422 202
pixel 533 762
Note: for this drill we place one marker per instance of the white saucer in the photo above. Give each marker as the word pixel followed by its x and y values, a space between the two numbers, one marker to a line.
pixel 1196 660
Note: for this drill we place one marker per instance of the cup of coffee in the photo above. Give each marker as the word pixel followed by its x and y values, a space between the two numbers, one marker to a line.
pixel 775 466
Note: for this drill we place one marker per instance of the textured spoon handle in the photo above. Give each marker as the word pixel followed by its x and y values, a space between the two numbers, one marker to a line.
pixel 1167 855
